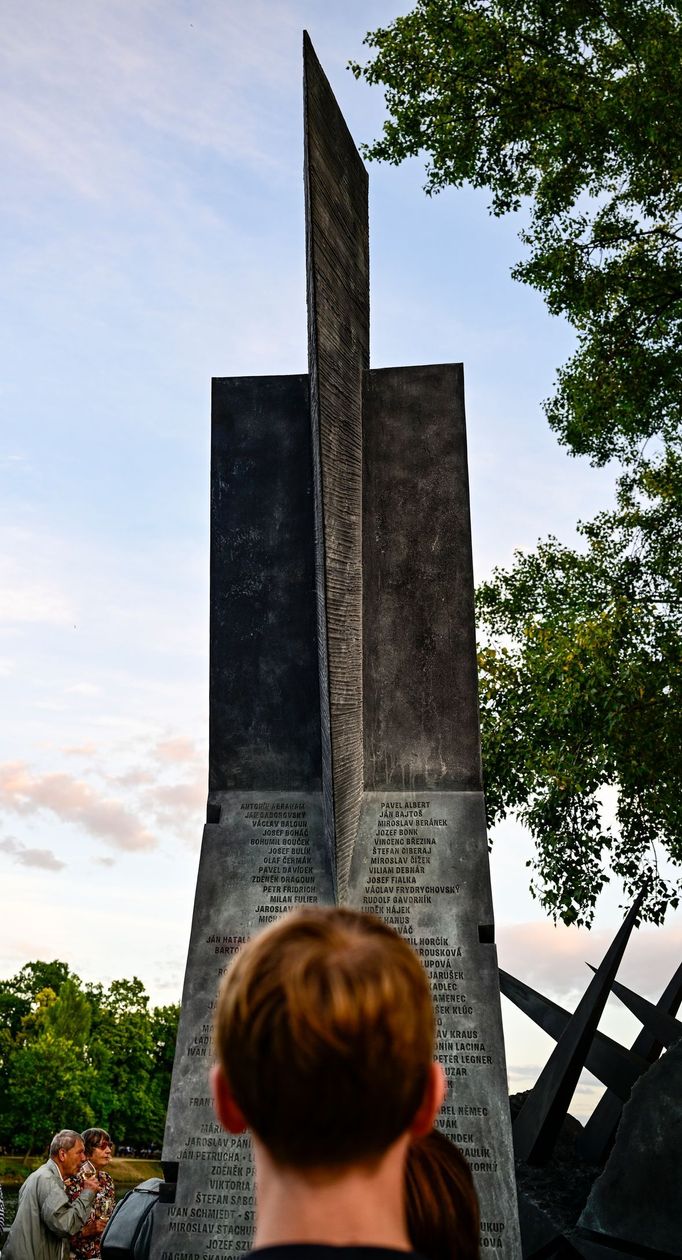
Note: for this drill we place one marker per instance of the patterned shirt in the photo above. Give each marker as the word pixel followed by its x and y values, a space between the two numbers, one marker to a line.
pixel 86 1245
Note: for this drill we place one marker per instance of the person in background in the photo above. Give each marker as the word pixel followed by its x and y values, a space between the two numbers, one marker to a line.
pixel 324 1039
pixel 45 1216
pixel 441 1201
pixel 87 1243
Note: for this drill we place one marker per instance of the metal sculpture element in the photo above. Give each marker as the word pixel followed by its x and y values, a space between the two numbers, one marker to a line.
pixel 611 1063
pixel 538 1123
pixel 633 1135
pixel 337 257
pixel 660 1028
pixel 658 1020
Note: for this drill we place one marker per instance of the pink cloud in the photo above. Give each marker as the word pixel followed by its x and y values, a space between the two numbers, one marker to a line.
pixel 177 804
pixel 553 958
pixel 132 778
pixel 183 796
pixel 176 751
pixel 43 858
pixel 72 801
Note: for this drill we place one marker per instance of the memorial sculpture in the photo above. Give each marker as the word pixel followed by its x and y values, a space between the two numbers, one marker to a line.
pixel 622 1167
pixel 344 759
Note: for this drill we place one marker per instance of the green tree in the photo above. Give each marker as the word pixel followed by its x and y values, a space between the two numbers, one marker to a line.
pixel 13 1009
pixel 35 976
pixel 570 108
pixel 132 1048
pixel 50 1086
pixel 571 111
pixel 70 1015
pixel 123 1051
pixel 82 1055
pixel 581 686
pixel 35 1022
pixel 164 1030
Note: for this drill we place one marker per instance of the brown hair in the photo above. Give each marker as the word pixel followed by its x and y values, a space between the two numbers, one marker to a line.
pixel 325 1033
pixel 441 1202
pixel 94 1137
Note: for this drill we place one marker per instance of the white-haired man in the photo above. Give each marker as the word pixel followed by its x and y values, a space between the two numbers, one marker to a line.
pixel 45 1217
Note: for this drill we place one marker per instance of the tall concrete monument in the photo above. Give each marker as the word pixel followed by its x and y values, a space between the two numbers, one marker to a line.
pixel 344 741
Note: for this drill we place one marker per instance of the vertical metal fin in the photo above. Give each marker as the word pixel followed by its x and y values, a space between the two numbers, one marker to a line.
pixel 337 255
pixel 537 1125
pixel 660 1028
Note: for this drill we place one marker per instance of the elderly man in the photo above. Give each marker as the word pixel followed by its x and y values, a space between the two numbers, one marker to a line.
pixel 45 1217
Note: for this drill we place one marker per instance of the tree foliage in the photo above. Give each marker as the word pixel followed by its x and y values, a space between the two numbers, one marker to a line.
pixel 581 687
pixel 572 111
pixel 74 1055
pixel 571 107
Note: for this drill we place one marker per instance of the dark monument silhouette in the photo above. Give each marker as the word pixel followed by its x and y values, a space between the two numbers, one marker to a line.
pixel 623 1166
pixel 344 741
pixel 535 1126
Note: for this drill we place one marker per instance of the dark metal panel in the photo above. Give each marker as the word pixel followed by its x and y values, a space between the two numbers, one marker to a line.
pixel 420 683
pixel 337 252
pixel 264 682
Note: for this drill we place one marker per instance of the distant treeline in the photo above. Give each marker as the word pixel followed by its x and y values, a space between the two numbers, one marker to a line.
pixel 74 1055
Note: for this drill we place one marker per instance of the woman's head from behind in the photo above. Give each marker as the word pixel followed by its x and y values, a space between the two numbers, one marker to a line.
pixel 442 1207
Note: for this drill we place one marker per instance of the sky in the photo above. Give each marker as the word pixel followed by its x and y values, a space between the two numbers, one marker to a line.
pixel 152 236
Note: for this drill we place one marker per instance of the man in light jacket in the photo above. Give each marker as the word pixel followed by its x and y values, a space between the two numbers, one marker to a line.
pixel 45 1218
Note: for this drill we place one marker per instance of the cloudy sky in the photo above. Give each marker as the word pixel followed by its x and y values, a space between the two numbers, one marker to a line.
pixel 152 237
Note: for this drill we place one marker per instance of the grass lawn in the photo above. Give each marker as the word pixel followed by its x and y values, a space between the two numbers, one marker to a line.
pixel 14 1169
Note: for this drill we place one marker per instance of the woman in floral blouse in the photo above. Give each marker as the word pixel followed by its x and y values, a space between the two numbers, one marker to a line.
pixel 98 1149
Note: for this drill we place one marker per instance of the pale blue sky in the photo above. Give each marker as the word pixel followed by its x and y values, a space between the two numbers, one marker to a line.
pixel 152 237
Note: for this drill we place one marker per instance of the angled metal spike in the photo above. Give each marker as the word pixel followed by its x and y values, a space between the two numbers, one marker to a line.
pixel 597 1137
pixel 592 1246
pixel 538 1122
pixel 541 1238
pixel 657 1021
pixel 611 1063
